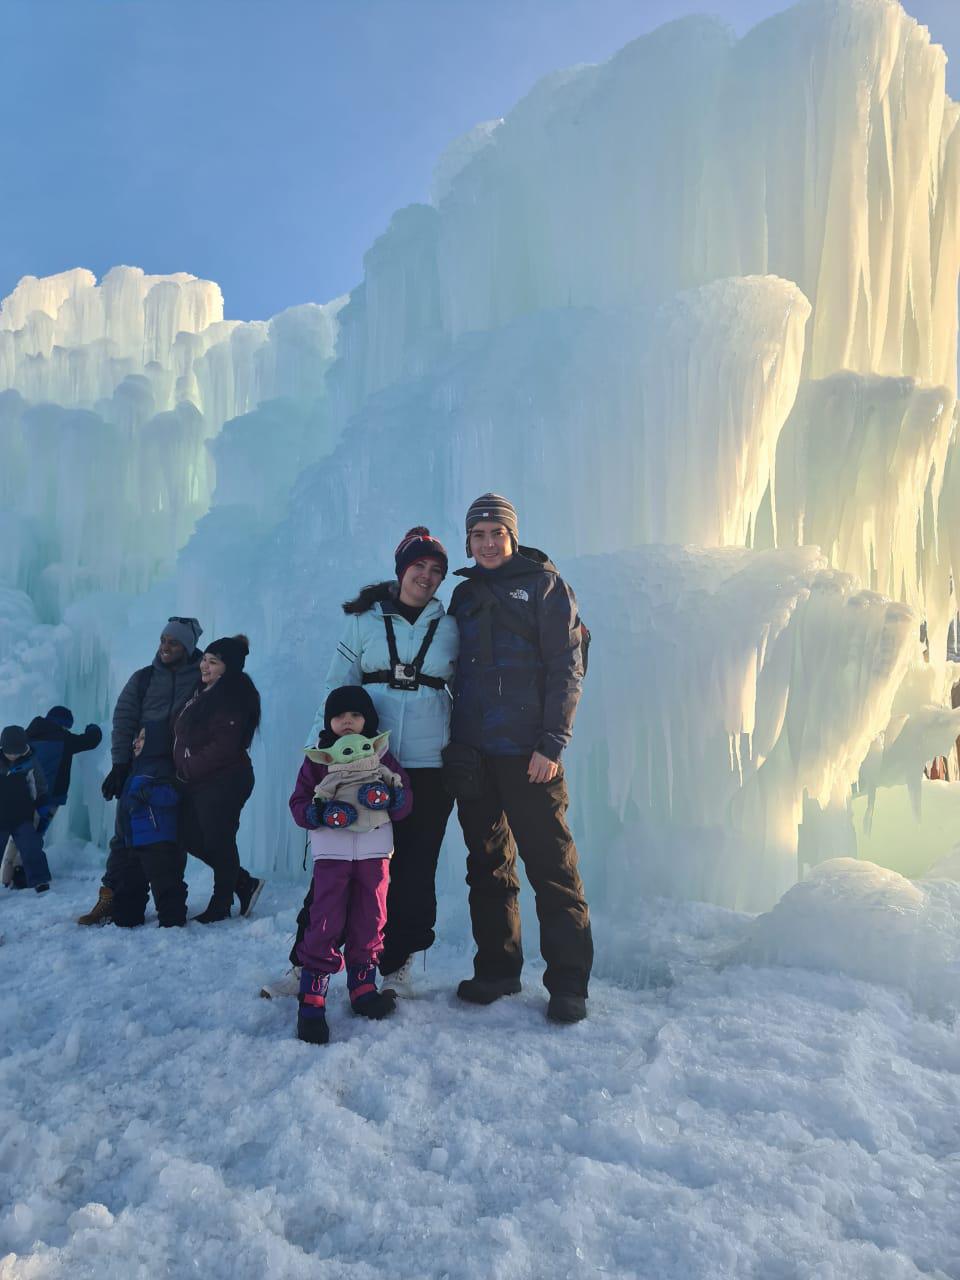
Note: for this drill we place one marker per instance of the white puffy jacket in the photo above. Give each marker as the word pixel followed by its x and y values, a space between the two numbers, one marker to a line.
pixel 419 719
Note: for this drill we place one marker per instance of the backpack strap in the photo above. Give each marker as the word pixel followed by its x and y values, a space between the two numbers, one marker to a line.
pixel 490 602
pixel 143 683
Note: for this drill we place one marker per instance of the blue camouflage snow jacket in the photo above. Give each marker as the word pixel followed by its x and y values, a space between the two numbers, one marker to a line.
pixel 516 691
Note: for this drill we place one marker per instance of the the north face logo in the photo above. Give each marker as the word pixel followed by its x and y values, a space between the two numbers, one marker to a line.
pixel 519 594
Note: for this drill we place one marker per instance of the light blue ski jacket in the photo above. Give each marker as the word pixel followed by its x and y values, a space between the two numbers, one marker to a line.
pixel 419 719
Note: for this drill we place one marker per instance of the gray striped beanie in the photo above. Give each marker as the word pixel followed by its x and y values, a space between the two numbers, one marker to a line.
pixel 493 506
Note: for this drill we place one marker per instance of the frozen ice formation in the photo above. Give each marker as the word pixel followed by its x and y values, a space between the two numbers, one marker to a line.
pixel 75 342
pixel 733 684
pixel 720 375
pixel 695 311
pixel 108 396
pixel 458 155
pixel 32 659
pixel 820 148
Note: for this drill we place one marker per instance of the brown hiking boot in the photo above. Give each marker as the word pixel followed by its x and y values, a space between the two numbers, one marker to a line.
pixel 102 913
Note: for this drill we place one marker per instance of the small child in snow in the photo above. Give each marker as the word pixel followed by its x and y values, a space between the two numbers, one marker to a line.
pixel 23 808
pixel 348 793
pixel 150 859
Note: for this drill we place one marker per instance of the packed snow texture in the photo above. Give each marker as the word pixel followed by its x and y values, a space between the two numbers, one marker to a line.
pixel 724 1119
pixel 750 357
pixel 855 917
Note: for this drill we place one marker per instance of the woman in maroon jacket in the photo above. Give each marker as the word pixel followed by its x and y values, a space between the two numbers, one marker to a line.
pixel 211 739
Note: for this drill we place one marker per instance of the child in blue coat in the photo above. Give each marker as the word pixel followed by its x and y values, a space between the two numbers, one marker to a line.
pixel 23 807
pixel 151 859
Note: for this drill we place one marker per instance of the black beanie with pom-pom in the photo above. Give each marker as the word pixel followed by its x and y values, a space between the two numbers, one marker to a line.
pixel 231 650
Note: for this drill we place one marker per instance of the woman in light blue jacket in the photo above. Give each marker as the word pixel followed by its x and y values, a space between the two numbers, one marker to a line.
pixel 401 646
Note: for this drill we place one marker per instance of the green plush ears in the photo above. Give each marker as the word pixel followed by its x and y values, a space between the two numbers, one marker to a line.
pixel 349 748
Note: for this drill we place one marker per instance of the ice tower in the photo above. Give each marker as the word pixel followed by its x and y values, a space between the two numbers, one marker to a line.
pixel 695 311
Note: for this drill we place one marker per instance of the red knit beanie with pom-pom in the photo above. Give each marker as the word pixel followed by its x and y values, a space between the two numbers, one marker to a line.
pixel 418 544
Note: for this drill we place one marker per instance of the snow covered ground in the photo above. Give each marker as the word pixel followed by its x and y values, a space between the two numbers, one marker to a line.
pixel 159 1119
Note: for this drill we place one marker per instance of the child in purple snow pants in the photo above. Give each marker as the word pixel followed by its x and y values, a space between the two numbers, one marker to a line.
pixel 351 874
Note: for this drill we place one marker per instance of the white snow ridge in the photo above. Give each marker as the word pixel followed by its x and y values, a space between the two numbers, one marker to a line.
pixel 694 310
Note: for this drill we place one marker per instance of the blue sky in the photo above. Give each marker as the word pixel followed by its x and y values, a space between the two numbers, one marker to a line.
pixel 264 145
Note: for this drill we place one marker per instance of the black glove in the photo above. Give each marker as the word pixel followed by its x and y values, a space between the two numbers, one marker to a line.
pixel 113 782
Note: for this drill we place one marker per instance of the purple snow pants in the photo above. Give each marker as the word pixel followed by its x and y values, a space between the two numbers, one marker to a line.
pixel 350 907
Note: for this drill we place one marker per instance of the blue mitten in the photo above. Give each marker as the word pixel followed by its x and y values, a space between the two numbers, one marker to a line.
pixel 374 795
pixel 398 797
pixel 311 815
pixel 338 815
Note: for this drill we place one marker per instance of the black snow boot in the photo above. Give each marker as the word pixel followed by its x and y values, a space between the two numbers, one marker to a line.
pixel 566 1008
pixel 248 889
pixel 486 990
pixel 365 999
pixel 312 1015
pixel 213 913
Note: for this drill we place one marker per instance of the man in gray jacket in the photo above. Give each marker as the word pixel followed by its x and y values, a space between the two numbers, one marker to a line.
pixel 157 692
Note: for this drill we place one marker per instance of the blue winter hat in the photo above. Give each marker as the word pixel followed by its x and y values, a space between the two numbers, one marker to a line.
pixel 62 716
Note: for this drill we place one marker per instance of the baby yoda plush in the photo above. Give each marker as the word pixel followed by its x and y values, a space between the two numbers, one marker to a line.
pixel 357 790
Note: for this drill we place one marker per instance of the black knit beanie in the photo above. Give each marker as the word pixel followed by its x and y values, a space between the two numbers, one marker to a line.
pixel 349 697
pixel 13 740
pixel 62 716
pixel 231 650
pixel 419 544
pixel 493 506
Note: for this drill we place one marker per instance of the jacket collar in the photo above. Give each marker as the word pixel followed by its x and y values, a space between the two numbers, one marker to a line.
pixel 432 609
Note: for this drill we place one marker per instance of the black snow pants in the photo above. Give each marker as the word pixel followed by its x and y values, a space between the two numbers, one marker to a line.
pixel 412 896
pixel 210 819
pixel 156 868
pixel 115 856
pixel 513 813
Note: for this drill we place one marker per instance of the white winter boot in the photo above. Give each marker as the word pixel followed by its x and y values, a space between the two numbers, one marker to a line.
pixel 287 986
pixel 401 980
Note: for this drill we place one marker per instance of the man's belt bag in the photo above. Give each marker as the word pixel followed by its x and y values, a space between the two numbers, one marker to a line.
pixel 463 769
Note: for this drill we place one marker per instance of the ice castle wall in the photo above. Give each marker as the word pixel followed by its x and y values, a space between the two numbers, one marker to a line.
pixel 737 326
